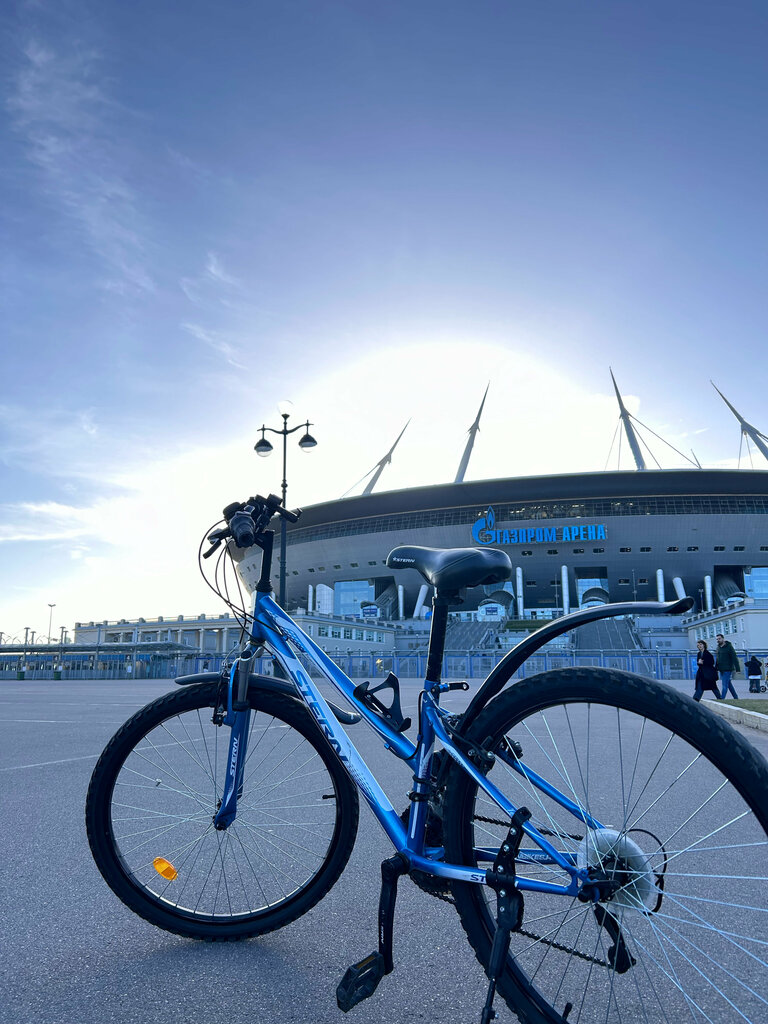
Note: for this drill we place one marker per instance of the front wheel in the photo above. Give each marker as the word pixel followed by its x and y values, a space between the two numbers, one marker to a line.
pixel 678 808
pixel 155 792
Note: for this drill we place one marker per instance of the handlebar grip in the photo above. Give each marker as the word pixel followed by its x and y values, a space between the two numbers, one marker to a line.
pixel 243 529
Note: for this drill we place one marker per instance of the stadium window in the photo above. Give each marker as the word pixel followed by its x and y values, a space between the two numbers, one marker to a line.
pixel 372 563
pixel 347 634
pixel 673 548
pixel 353 565
pixel 692 548
pixel 738 547
pixel 321 568
pixel 310 570
pixel 337 567
pixel 552 551
pixel 336 633
pixel 526 552
pixel 645 549
pixel 578 551
pixel 625 550
pixel 719 547
pixel 642 580
pixel 624 582
pixel 597 551
pixel 295 572
pixel 322 631
pixel 764 547
pixel 530 583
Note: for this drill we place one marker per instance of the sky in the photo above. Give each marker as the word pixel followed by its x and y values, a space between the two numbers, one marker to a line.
pixel 374 210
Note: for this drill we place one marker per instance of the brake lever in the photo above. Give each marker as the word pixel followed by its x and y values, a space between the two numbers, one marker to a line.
pixel 215 538
pixel 291 517
pixel 214 547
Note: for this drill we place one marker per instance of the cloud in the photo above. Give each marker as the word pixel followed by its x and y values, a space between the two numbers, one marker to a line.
pixel 61 110
pixel 205 289
pixel 214 341
pixel 44 521
pixel 217 273
pixel 54 441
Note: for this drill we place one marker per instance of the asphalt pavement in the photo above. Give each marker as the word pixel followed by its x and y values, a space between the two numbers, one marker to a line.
pixel 71 952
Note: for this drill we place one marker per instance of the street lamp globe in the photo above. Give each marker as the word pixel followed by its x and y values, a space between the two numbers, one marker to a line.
pixel 262 446
pixel 307 442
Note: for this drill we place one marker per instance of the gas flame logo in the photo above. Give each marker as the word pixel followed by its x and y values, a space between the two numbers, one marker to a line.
pixel 482 529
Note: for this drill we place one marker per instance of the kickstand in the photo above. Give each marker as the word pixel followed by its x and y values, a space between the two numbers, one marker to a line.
pixel 509 906
pixel 360 980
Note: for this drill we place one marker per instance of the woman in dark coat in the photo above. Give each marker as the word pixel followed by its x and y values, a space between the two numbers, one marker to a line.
pixel 754 673
pixel 706 673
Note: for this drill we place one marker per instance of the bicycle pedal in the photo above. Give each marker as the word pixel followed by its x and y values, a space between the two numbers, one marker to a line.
pixel 360 981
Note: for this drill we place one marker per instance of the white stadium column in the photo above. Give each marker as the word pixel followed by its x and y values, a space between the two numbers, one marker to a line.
pixel 677 583
pixel 324 599
pixel 420 600
pixel 565 589
pixel 659 584
pixel 400 601
pixel 708 593
pixel 310 599
pixel 519 593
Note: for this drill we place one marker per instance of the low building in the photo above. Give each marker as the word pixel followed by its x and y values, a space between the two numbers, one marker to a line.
pixel 744 622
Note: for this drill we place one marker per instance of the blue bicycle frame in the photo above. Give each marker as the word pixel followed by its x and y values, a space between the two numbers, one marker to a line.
pixel 284 638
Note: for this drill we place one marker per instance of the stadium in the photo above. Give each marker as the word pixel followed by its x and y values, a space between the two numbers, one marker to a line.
pixel 573 539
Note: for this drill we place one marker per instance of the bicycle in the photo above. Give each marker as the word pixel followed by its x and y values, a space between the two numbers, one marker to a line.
pixel 601 835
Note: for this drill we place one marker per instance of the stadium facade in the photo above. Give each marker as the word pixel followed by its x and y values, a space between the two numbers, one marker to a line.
pixel 573 540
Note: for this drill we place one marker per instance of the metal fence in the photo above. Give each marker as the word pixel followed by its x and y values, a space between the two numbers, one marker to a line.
pixel 456 665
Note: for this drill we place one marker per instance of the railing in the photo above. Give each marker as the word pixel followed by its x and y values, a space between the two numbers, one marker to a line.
pixel 474 665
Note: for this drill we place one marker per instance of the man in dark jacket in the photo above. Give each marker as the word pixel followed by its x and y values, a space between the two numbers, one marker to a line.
pixel 727 663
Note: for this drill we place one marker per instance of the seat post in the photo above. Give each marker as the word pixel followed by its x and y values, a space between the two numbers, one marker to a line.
pixel 440 605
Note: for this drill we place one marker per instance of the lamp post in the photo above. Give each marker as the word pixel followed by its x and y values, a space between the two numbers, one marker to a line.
pixel 50 620
pixel 263 448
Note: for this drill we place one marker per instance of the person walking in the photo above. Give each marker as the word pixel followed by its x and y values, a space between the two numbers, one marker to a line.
pixel 754 673
pixel 727 663
pixel 706 673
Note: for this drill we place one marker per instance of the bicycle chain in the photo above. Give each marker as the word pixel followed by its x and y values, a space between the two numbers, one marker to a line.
pixel 541 828
pixel 523 931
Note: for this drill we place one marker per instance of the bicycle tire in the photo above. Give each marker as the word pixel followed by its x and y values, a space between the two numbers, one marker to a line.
pixel 155 790
pixel 700 951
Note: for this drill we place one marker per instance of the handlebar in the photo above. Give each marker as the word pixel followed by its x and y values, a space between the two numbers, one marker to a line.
pixel 246 520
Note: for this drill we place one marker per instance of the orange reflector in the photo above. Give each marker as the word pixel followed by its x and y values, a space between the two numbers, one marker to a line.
pixel 165 868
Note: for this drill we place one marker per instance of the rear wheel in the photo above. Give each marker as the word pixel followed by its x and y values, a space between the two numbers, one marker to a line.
pixel 679 932
pixel 157 787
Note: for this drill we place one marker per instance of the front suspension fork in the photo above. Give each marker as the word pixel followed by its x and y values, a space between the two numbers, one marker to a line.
pixel 238 718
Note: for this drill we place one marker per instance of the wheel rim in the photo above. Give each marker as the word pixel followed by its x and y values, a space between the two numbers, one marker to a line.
pixel 168 790
pixel 693 908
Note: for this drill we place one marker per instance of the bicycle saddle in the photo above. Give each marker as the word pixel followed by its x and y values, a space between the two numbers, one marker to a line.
pixel 453 568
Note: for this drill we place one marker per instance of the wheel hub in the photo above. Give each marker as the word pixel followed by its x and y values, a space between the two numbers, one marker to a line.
pixel 626 878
